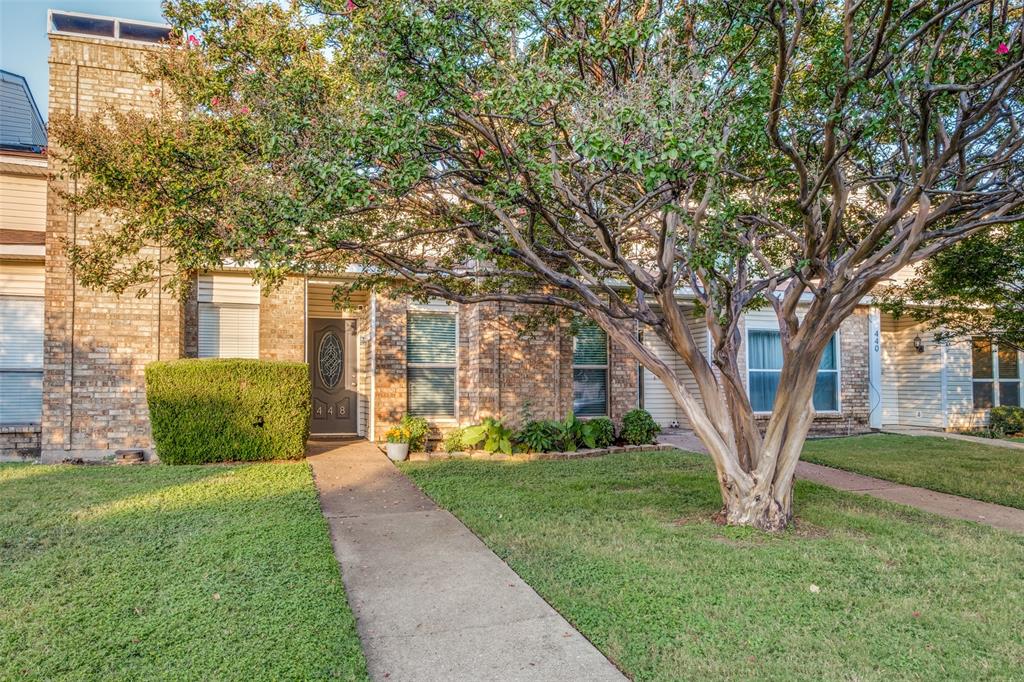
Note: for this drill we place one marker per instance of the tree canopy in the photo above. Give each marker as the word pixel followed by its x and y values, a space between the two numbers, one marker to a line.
pixel 602 157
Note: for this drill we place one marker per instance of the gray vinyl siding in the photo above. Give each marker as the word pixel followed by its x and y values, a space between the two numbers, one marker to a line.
pixel 912 381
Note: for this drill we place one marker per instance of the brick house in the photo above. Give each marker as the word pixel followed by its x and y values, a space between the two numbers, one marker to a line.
pixel 72 359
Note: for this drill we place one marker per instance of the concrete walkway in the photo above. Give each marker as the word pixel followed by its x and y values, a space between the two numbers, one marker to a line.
pixel 952 506
pixel 431 601
pixel 993 442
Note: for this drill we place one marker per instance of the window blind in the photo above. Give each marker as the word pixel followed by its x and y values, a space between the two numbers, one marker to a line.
pixel 431 341
pixel 21 360
pixel 590 372
pixel 764 363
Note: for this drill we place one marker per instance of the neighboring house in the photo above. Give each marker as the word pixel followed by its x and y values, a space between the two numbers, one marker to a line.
pixel 374 358
pixel 22 236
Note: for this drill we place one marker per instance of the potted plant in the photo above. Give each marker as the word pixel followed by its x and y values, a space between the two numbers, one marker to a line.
pixel 398 443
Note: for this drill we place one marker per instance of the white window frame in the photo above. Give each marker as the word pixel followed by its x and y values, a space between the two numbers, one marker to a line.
pixel 435 307
pixel 607 375
pixel 38 371
pixel 995 380
pixel 838 369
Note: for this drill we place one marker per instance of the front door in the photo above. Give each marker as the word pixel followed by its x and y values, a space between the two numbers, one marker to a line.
pixel 332 365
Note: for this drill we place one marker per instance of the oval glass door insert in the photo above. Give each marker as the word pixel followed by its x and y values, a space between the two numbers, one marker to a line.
pixel 330 360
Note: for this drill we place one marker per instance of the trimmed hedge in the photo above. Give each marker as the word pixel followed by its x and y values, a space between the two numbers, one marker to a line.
pixel 216 410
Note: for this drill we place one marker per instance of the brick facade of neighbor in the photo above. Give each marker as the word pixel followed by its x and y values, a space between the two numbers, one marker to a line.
pixel 19 441
pixel 96 344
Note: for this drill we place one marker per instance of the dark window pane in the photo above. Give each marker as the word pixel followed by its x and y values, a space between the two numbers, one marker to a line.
pixel 1009 393
pixel 590 392
pixel 1008 368
pixel 431 391
pixel 981 358
pixel 590 347
pixel 762 390
pixel 982 395
pixel 826 392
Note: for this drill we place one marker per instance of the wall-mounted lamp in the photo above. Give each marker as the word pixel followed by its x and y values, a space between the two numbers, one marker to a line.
pixel 918 344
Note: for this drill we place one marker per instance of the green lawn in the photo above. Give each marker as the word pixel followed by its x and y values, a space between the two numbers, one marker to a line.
pixel 983 472
pixel 623 546
pixel 157 572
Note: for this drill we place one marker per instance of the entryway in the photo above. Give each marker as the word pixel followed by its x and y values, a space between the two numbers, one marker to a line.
pixel 333 365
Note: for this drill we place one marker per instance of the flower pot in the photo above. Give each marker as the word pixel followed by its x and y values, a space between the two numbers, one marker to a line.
pixel 398 452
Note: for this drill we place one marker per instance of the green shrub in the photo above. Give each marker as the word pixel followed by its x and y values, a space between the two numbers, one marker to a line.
pixel 228 410
pixel 603 430
pixel 538 436
pixel 639 427
pixel 571 433
pixel 418 429
pixel 492 433
pixel 453 441
pixel 1007 421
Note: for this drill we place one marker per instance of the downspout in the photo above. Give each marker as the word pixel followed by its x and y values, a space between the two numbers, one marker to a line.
pixel 373 366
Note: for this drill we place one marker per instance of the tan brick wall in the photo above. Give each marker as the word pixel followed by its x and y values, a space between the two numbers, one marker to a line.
pixel 505 368
pixel 19 441
pixel 282 322
pixel 96 344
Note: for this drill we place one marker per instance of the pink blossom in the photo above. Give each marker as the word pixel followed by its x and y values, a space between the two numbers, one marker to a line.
pixel 192 40
pixel 350 6
pixel 479 153
pixel 1003 48
pixel 244 110
pixel 401 95
pixel 215 101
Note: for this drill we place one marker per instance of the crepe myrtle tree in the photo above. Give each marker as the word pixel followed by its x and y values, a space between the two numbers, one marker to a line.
pixel 593 157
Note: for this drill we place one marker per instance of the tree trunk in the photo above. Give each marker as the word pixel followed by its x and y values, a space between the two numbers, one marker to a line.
pixel 770 510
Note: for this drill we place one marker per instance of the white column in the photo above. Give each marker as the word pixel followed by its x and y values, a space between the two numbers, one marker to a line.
pixel 875 368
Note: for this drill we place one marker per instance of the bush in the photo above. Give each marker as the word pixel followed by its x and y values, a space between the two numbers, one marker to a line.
pixel 453 441
pixel 538 436
pixel 494 436
pixel 602 430
pixel 1007 421
pixel 418 429
pixel 639 427
pixel 228 410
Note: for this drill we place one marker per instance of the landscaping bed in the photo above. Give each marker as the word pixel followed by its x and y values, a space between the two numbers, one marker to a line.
pixel 624 546
pixel 157 572
pixel 535 456
pixel 966 468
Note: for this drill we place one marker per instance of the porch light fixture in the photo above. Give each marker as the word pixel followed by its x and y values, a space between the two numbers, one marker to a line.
pixel 918 344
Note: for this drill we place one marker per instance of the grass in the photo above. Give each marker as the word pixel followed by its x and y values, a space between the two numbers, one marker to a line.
pixel 623 546
pixel 981 472
pixel 156 572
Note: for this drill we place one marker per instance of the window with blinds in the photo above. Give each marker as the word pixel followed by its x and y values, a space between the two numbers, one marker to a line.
pixel 229 316
pixel 21 360
pixel 431 363
pixel 764 367
pixel 590 372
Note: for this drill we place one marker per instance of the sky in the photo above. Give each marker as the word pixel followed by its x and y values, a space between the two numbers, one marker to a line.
pixel 24 48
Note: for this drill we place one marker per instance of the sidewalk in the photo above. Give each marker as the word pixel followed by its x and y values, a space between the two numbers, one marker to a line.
pixel 933 433
pixel 952 506
pixel 431 601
